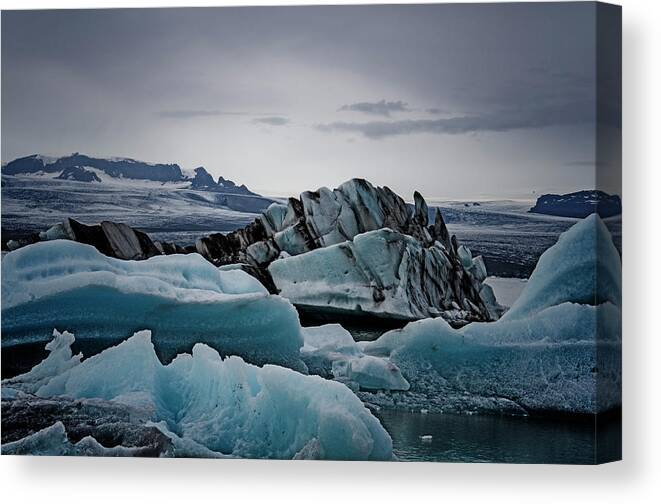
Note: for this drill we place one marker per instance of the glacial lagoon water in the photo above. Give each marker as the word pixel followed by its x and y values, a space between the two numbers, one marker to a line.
pixel 500 439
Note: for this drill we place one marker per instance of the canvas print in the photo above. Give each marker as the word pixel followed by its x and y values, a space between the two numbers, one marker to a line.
pixel 379 233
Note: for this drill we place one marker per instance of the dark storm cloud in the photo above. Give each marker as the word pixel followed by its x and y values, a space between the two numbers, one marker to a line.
pixel 271 121
pixel 566 114
pixel 380 108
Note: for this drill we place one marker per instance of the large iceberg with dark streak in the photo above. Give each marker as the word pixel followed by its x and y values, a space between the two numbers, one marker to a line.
pixel 338 250
pixel 385 274
pixel 182 299
pixel 558 349
pixel 205 405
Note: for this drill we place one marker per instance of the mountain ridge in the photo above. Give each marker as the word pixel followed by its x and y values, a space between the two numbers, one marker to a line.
pixel 77 167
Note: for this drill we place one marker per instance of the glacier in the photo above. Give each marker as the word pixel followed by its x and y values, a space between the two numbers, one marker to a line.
pixel 204 402
pixel 558 349
pixel 33 203
pixel 182 299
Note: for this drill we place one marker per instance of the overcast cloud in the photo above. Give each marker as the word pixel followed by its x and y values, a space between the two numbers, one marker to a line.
pixel 454 100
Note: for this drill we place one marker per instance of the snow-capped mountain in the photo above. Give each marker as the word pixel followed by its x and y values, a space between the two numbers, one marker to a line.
pixel 82 168
pixel 579 204
pixel 38 192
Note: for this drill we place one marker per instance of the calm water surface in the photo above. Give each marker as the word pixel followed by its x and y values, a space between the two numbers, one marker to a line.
pixel 504 439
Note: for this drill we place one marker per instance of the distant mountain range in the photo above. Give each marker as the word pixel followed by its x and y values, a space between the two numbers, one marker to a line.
pixel 38 192
pixel 578 204
pixel 82 168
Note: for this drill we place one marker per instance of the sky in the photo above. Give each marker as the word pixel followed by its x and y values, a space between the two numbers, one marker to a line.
pixel 456 101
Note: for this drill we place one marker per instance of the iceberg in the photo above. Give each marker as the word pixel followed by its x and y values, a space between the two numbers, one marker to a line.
pixel 182 299
pixel 328 339
pixel 336 228
pixel 385 274
pixel 110 238
pixel 558 369
pixel 582 267
pixel 225 406
pixel 330 351
pixel 60 358
pixel 370 373
pixel 274 217
pixel 322 345
pixel 315 220
pixel 90 426
pixel 53 441
pixel 558 349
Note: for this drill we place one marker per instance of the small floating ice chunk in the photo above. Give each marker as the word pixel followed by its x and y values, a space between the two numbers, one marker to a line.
pixel 332 347
pixel 328 340
pixel 375 373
